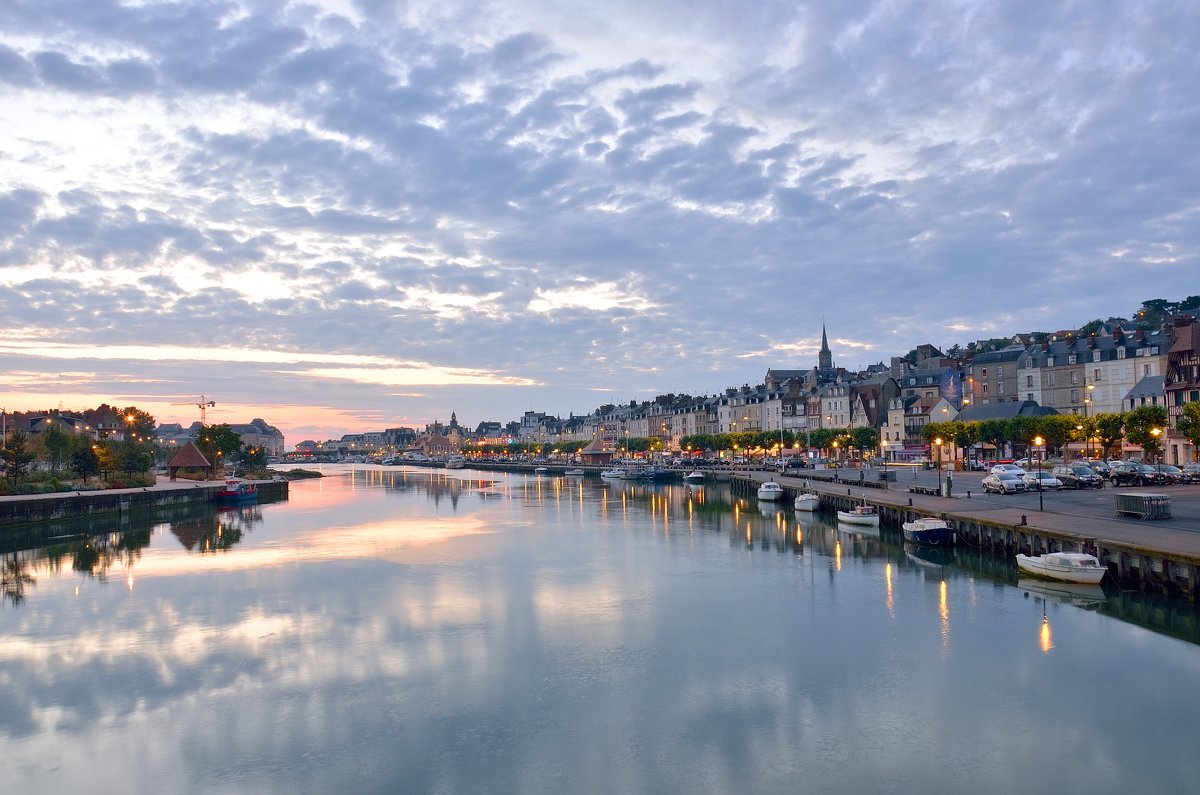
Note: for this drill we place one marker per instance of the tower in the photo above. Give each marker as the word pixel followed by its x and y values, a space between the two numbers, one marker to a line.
pixel 825 357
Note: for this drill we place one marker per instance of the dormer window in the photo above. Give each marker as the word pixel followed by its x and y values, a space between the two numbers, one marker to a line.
pixel 1120 353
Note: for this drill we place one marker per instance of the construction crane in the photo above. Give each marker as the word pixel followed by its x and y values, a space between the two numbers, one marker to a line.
pixel 203 404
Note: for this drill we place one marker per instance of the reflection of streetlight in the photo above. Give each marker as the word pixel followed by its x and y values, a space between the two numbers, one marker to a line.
pixel 1038 442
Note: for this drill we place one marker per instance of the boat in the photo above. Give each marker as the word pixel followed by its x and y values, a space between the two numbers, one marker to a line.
pixel 655 473
pixel 695 476
pixel 631 473
pixel 1064 566
pixel 574 473
pixel 929 531
pixel 770 491
pixel 237 490
pixel 808 501
pixel 613 474
pixel 862 513
pixel 456 462
pixel 541 470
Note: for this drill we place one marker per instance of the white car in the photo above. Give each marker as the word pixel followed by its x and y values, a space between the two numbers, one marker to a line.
pixel 1008 469
pixel 1048 481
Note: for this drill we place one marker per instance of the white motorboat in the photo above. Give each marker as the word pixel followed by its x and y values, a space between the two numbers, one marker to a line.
pixel 1065 566
pixel 770 491
pixel 613 474
pixel 456 462
pixel 808 501
pixel 695 476
pixel 861 514
pixel 574 473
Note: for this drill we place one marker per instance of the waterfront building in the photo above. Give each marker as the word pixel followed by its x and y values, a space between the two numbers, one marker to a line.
pixel 1181 386
pixel 992 376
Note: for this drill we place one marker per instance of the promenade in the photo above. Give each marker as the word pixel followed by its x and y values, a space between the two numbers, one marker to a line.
pixel 1165 552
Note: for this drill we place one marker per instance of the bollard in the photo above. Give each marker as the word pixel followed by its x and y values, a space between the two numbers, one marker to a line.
pixel 968 494
pixel 1023 520
pixel 910 502
pixel 847 492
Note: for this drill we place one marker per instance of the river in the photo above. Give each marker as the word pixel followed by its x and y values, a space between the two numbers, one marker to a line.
pixel 409 630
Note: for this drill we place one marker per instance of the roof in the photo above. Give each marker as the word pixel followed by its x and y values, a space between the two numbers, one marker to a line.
pixel 1152 386
pixel 1004 411
pixel 188 456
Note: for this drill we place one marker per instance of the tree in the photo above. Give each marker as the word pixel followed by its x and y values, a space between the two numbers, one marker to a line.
pixel 57 440
pixel 994 432
pixel 218 442
pixel 1110 429
pixel 1059 429
pixel 864 438
pixel 1023 429
pixel 17 454
pixel 1189 423
pixel 1141 424
pixel 84 462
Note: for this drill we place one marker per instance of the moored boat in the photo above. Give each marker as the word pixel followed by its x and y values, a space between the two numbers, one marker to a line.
pixel 237 490
pixel 808 501
pixel 862 513
pixel 770 491
pixel 613 474
pixel 1064 566
pixel 541 470
pixel 695 476
pixel 929 531
pixel 574 473
pixel 456 462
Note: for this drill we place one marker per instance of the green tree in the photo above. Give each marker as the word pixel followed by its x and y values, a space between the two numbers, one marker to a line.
pixel 219 443
pixel 17 454
pixel 864 438
pixel 1189 423
pixel 85 463
pixel 996 433
pixel 1140 427
pixel 57 442
pixel 1110 429
pixel 1058 429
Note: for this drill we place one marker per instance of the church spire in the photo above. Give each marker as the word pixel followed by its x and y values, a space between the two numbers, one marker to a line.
pixel 825 357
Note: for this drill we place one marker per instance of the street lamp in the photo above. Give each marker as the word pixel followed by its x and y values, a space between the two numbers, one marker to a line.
pixel 1038 442
pixel 1155 432
pixel 938 442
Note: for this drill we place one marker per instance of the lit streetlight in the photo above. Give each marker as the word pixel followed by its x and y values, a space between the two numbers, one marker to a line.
pixel 1038 442
pixel 938 442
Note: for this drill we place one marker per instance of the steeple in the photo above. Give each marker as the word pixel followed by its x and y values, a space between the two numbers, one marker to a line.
pixel 825 357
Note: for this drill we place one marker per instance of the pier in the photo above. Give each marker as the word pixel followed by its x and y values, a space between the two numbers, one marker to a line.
pixel 1142 554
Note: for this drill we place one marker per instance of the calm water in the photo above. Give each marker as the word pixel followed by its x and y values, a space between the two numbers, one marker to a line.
pixel 421 631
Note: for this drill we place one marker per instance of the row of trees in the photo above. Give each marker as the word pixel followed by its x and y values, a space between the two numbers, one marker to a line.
pixel 1144 426
pixel 60 457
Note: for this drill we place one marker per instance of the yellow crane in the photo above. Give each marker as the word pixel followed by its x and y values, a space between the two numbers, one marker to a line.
pixel 203 404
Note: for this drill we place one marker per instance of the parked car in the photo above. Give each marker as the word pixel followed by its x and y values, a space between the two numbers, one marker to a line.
pixel 1131 473
pixel 1009 469
pixel 1046 480
pixel 977 466
pixel 1193 472
pixel 1078 476
pixel 1003 483
pixel 1101 467
pixel 1023 463
pixel 1173 473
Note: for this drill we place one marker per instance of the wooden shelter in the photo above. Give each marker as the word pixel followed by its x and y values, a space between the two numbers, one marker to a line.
pixel 189 457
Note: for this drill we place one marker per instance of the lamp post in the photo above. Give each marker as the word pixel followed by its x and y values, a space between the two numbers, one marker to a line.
pixel 1087 399
pixel 1155 432
pixel 938 442
pixel 1038 442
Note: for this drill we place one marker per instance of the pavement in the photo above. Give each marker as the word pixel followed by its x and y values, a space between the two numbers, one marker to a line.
pixel 1089 513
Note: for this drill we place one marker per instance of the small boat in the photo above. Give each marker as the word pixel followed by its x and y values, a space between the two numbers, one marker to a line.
pixel 929 531
pixel 613 474
pixel 574 473
pixel 456 462
pixel 237 490
pixel 770 491
pixel 862 513
pixel 1065 566
pixel 695 476
pixel 631 473
pixel 541 470
pixel 808 501
pixel 655 473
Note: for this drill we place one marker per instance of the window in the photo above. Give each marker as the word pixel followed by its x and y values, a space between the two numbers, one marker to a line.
pixel 1095 356
pixel 1071 358
pixel 1120 353
pixel 1050 379
pixel 1029 381
pixel 1029 396
pixel 1049 360
pixel 1074 395
pixel 1074 377
pixel 1096 375
pixel 999 387
pixel 1146 369
pixel 985 389
pixel 985 372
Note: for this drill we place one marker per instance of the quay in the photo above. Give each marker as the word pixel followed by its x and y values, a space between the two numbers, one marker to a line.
pixel 1143 554
pixel 27 509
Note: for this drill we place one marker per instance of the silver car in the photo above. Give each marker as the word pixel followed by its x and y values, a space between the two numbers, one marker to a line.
pixel 1003 483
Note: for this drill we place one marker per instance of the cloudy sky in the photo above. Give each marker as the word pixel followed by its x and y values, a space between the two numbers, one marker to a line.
pixel 357 214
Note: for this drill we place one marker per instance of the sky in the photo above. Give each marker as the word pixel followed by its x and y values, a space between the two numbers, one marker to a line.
pixel 356 214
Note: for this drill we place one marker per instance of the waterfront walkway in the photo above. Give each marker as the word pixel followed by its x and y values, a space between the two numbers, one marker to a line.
pixel 1087 514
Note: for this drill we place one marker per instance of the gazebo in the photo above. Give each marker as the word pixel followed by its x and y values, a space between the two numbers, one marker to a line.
pixel 189 457
pixel 595 454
